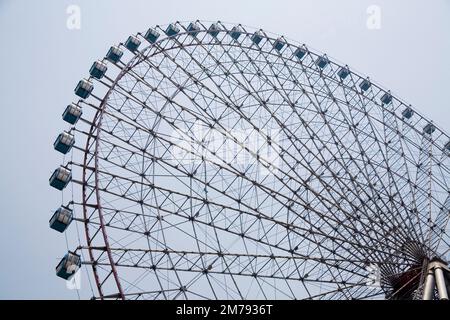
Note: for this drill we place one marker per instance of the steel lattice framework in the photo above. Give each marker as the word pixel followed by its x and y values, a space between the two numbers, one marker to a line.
pixel 229 163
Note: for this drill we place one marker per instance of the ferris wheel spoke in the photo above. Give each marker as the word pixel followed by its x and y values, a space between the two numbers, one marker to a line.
pixel 258 72
pixel 184 195
pixel 328 89
pixel 389 170
pixel 191 262
pixel 350 125
pixel 361 150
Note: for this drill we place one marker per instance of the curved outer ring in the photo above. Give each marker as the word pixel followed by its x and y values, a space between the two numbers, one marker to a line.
pixel 85 215
pixel 98 118
pixel 99 115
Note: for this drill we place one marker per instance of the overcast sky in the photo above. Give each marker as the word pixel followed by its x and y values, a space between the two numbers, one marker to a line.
pixel 41 60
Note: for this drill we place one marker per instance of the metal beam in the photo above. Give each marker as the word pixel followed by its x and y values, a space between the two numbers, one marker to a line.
pixel 429 285
pixel 440 283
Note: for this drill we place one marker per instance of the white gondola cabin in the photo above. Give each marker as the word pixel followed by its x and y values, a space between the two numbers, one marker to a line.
pixel 98 69
pixel 447 146
pixel 322 62
pixel 84 88
pixel 429 128
pixel 214 30
pixel 61 219
pixel 114 54
pixel 235 32
pixel 151 35
pixel 68 266
pixel 278 44
pixel 343 72
pixel 132 43
pixel 193 29
pixel 300 53
pixel 60 178
pixel 257 37
pixel 365 84
pixel 386 98
pixel 407 113
pixel 64 142
pixel 172 30
pixel 72 113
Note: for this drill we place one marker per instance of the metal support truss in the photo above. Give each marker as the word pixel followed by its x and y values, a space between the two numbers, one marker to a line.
pixel 437 281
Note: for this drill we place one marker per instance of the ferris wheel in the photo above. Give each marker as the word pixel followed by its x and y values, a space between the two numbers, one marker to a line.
pixel 216 161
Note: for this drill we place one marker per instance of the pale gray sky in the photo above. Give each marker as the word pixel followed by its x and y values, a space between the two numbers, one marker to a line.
pixel 41 61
